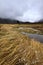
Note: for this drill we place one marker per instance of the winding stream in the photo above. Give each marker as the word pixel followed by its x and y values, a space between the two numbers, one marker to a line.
pixel 34 36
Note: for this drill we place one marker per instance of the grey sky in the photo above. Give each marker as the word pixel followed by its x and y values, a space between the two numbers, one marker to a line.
pixel 25 10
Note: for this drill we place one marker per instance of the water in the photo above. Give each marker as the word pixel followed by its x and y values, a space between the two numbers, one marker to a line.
pixel 34 36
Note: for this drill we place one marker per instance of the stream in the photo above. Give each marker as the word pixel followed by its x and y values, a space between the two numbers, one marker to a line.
pixel 34 36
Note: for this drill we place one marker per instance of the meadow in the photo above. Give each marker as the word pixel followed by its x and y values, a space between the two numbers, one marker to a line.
pixel 19 49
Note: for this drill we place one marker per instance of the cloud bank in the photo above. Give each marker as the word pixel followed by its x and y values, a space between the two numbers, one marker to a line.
pixel 23 10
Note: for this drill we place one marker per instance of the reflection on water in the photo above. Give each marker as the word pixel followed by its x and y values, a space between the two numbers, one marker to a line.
pixel 34 36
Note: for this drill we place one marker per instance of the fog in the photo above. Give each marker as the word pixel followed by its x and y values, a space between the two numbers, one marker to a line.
pixel 23 10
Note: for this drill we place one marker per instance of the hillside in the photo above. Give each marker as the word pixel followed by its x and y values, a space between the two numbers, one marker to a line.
pixel 12 21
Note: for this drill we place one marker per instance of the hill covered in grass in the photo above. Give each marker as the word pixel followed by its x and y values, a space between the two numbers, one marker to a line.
pixel 18 49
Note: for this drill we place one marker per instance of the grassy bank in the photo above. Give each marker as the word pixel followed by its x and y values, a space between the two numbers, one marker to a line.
pixel 18 49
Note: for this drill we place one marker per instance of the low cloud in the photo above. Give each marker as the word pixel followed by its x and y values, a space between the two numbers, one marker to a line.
pixel 23 10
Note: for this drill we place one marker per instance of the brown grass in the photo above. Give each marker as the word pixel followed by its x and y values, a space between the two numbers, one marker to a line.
pixel 18 49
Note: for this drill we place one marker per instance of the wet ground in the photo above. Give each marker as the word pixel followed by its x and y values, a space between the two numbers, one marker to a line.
pixel 34 36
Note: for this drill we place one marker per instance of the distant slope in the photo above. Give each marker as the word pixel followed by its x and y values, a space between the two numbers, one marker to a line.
pixel 8 21
pixel 11 21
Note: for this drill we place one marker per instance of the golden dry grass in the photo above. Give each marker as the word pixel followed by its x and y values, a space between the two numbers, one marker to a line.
pixel 18 49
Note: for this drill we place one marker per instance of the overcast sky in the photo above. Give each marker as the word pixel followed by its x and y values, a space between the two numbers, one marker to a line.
pixel 24 10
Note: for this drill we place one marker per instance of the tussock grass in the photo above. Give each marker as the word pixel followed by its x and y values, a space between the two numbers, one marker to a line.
pixel 18 49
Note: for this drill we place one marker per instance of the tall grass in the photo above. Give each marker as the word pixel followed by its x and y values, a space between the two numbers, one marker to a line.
pixel 18 49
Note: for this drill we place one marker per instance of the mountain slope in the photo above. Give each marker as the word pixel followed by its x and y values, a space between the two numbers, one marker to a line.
pixel 12 21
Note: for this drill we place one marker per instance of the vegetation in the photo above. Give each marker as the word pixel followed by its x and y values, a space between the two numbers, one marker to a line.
pixel 18 49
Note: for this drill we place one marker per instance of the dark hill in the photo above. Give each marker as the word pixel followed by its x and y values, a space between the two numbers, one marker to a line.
pixel 11 21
